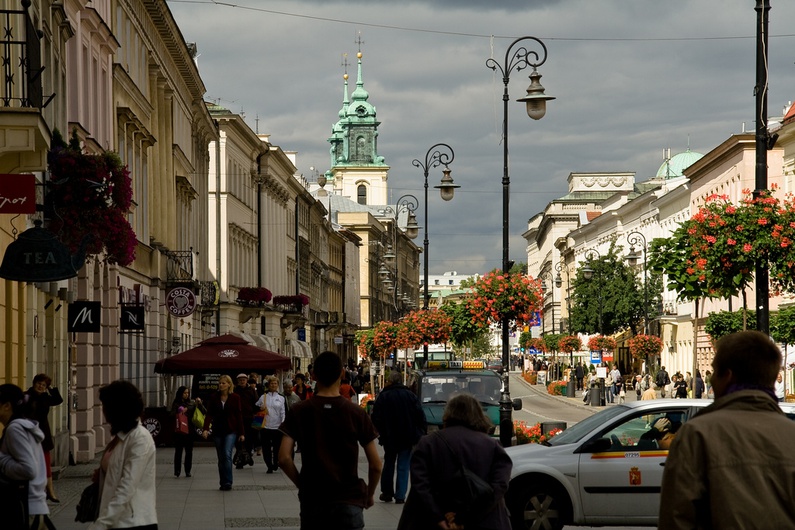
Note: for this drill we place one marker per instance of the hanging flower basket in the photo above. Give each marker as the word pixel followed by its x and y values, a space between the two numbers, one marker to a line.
pixel 537 344
pixel 514 297
pixel 295 299
pixel 570 343
pixel 601 343
pixel 364 342
pixel 424 327
pixel 384 338
pixel 253 296
pixel 88 199
pixel 645 346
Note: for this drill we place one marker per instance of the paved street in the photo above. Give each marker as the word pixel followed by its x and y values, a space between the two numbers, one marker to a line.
pixel 262 501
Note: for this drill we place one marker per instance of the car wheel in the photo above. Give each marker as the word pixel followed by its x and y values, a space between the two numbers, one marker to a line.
pixel 539 505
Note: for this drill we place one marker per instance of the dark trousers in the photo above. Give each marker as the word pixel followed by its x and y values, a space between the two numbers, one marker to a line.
pixel 271 440
pixel 183 442
pixel 338 516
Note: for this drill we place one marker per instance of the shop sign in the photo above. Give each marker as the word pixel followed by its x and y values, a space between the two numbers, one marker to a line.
pixel 132 317
pixel 17 194
pixel 84 317
pixel 180 301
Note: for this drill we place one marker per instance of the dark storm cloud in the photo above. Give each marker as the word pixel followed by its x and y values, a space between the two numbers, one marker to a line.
pixel 631 79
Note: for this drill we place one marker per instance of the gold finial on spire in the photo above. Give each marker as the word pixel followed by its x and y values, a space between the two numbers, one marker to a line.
pixel 344 64
pixel 359 43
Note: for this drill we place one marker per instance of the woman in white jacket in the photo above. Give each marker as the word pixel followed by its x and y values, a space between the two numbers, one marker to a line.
pixel 274 406
pixel 22 460
pixel 127 470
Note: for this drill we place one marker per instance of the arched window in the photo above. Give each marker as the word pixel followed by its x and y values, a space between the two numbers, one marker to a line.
pixel 361 194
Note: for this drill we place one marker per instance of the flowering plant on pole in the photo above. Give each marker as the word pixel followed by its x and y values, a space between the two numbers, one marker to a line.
pixel 570 343
pixel 423 327
pixel 602 343
pixel 385 337
pixel 498 296
pixel 364 342
pixel 644 347
pixel 537 344
pixel 88 199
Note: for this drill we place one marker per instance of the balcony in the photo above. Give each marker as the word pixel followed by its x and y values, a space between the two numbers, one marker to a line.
pixel 24 136
pixel 179 266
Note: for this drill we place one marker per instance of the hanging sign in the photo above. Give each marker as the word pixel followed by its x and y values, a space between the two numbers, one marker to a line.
pixel 84 317
pixel 132 317
pixel 180 301
pixel 17 193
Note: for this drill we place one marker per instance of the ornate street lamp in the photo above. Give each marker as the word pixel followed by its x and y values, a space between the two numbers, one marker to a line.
pixel 536 104
pixel 438 155
pixel 636 238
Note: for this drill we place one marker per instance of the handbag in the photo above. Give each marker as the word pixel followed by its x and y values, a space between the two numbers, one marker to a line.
pixel 622 393
pixel 198 418
pixel 88 505
pixel 182 423
pixel 468 495
pixel 258 421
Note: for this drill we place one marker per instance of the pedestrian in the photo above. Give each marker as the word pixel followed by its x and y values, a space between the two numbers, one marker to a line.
pixel 609 395
pixel 689 383
pixel 290 397
pixel 463 440
pixel 301 389
pixel 43 396
pixel 662 380
pixel 698 382
pixel 638 385
pixel 182 409
pixel 579 373
pixel 616 373
pixel 248 399
pixel 330 429
pixel 126 472
pixel 779 388
pixel 619 385
pixel 708 383
pixel 256 445
pixel 275 408
pixel 680 387
pixel 347 391
pixel 225 415
pixel 731 465
pixel 398 416
pixel 21 460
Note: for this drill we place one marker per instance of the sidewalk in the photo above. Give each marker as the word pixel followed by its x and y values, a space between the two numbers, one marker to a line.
pixel 257 500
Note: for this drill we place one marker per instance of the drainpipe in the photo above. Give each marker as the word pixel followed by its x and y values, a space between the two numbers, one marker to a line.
pixel 218 220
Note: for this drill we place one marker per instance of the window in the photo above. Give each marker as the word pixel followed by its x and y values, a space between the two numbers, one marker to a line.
pixel 638 433
pixel 361 194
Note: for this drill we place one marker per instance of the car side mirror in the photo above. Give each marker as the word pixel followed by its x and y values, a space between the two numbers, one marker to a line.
pixel 517 404
pixel 596 446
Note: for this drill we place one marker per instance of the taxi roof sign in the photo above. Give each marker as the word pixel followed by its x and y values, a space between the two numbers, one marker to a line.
pixel 456 365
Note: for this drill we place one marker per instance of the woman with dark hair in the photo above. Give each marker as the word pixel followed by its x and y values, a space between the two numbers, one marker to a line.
pixel 127 470
pixel 224 413
pixel 21 460
pixel 182 408
pixel 463 440
pixel 43 396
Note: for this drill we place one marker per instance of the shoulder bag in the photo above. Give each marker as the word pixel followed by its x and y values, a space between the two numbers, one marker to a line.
pixel 88 505
pixel 471 496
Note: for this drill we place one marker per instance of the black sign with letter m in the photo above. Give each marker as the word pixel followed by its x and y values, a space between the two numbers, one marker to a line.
pixel 84 317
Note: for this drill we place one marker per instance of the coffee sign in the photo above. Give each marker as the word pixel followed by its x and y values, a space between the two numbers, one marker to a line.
pixel 180 301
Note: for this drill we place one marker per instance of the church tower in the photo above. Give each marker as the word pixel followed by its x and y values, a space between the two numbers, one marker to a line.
pixel 357 171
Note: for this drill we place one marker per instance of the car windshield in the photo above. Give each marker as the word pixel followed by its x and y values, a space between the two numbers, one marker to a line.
pixel 440 388
pixel 579 430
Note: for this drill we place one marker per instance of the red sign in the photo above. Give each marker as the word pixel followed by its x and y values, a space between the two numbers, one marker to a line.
pixel 17 193
pixel 181 301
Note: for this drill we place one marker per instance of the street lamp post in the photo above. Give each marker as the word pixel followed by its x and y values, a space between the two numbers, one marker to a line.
pixel 437 155
pixel 536 102
pixel 588 273
pixel 636 238
pixel 571 388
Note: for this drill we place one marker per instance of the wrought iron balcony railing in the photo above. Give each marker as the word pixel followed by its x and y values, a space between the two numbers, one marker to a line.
pixel 21 60
pixel 179 267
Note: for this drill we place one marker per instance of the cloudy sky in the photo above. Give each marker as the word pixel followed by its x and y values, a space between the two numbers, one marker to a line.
pixel 631 78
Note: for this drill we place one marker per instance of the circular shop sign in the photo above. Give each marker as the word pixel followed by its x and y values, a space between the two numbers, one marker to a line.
pixel 181 301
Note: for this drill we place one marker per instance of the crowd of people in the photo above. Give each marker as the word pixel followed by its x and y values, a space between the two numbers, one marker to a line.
pixel 317 415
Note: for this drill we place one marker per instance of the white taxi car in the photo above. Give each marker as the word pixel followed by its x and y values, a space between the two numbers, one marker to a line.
pixel 604 470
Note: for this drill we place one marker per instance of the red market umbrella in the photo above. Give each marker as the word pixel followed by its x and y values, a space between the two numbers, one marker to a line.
pixel 224 354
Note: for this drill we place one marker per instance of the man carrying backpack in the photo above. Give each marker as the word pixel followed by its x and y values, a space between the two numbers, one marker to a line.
pixel 662 380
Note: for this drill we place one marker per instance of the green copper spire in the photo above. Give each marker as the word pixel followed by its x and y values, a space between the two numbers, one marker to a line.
pixel 354 136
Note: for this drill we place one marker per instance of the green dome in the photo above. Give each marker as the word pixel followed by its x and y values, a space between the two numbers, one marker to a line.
pixel 675 166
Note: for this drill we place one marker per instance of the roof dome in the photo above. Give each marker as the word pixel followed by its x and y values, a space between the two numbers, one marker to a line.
pixel 675 166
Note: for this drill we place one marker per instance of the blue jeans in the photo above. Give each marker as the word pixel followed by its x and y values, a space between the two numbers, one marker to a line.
pixel 403 457
pixel 338 516
pixel 224 446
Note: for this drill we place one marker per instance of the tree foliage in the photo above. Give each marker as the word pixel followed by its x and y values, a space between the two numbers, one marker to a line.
pixel 464 330
pixel 724 323
pixel 782 325
pixel 616 291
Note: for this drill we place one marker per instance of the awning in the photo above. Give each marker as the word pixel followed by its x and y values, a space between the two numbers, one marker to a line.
pixel 225 354
pixel 301 349
pixel 263 341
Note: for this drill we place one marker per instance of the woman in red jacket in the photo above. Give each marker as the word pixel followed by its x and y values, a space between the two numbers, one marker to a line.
pixel 225 416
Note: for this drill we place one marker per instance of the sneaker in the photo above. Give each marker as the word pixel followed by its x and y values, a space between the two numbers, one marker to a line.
pixel 386 498
pixel 400 501
pixel 225 487
pixel 187 475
